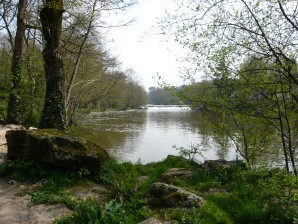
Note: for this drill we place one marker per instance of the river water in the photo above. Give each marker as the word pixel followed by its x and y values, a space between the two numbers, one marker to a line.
pixel 149 135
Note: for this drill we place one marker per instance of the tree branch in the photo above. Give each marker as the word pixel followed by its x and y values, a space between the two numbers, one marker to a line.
pixel 286 16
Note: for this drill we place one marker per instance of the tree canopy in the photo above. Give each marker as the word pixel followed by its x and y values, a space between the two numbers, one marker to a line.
pixel 92 76
pixel 248 51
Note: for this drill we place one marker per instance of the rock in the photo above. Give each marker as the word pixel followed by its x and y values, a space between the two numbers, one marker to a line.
pixel 100 189
pixel 176 173
pixel 142 179
pixel 38 185
pixel 165 195
pixel 220 165
pixel 153 220
pixel 217 191
pixel 4 129
pixel 55 147
pixel 12 182
pixel 91 190
pixel 11 127
pixel 47 214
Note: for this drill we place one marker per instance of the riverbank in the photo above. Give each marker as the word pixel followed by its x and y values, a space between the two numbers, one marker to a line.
pixel 122 193
pixel 17 207
pixel 223 192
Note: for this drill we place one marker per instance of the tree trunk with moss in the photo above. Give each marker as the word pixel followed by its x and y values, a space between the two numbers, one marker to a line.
pixel 14 108
pixel 53 115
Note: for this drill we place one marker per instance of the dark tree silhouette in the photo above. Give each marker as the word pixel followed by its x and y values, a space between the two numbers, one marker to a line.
pixel 53 115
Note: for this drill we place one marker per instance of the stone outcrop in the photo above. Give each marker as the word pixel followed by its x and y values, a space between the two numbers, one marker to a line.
pixel 153 220
pixel 3 130
pixel 220 165
pixel 169 196
pixel 176 174
pixel 55 147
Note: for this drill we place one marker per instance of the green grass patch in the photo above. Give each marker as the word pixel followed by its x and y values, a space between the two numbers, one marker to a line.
pixel 235 195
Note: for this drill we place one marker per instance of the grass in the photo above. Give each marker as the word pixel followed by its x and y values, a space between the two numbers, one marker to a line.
pixel 242 195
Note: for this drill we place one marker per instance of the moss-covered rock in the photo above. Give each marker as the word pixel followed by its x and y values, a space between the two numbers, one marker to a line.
pixel 169 196
pixel 220 165
pixel 153 220
pixel 55 147
pixel 173 174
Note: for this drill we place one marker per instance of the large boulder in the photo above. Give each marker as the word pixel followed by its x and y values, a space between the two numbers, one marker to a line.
pixel 169 196
pixel 55 147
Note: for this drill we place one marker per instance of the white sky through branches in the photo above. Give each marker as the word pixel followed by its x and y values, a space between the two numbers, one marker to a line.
pixel 138 46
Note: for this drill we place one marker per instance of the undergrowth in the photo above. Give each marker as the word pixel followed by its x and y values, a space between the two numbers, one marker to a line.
pixel 233 195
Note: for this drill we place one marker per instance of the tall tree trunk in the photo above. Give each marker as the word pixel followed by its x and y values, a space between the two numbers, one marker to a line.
pixel 14 108
pixel 53 115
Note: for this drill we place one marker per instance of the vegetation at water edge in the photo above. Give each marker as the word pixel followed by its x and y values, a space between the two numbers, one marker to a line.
pixel 233 195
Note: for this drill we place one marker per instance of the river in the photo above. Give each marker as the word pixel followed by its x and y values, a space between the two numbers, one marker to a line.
pixel 149 135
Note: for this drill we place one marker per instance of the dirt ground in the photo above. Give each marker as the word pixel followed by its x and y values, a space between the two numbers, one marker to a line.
pixel 16 209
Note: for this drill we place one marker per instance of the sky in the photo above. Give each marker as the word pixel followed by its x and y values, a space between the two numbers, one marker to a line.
pixel 137 46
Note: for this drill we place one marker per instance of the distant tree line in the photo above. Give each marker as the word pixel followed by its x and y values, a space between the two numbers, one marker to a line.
pixel 166 96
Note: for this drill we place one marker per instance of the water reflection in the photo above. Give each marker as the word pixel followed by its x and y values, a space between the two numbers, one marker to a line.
pixel 149 135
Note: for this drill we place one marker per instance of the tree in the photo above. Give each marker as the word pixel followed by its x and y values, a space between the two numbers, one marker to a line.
pixel 163 96
pixel 54 114
pixel 8 12
pixel 238 31
pixel 20 37
pixel 89 80
pixel 14 110
pixel 88 66
pixel 135 94
pixel 5 68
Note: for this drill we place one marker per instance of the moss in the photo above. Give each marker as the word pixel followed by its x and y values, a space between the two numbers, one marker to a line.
pixel 174 199
pixel 55 147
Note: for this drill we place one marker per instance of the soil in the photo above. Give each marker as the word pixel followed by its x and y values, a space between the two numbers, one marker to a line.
pixel 17 208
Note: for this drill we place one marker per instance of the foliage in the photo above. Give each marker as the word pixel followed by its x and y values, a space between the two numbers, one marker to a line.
pixel 94 80
pixel 254 112
pixel 233 195
pixel 114 174
pixel 89 212
pixel 32 84
pixel 5 59
pixel 164 96
pixel 22 170
pixel 247 50
pixel 192 152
